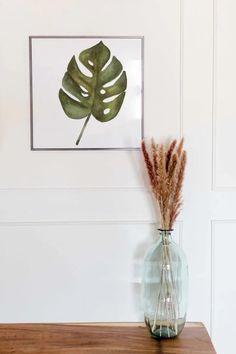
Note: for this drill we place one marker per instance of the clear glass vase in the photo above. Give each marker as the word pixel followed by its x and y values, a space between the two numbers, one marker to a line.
pixel 165 283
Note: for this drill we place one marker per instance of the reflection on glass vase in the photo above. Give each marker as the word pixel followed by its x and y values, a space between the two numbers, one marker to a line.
pixel 165 283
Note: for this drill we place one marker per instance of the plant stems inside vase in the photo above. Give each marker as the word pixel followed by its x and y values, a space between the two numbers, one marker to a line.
pixel 165 167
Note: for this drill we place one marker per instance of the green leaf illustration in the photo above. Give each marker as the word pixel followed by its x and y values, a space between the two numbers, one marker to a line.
pixel 99 95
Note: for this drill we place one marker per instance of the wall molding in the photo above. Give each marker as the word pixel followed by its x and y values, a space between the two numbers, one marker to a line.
pixel 68 223
pixel 85 222
pixel 223 221
pixel 212 287
pixel 213 134
pixel 214 185
pixel 78 188
pixel 76 204
pixel 75 222
pixel 181 64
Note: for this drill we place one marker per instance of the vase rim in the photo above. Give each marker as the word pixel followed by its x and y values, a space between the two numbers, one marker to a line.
pixel 159 229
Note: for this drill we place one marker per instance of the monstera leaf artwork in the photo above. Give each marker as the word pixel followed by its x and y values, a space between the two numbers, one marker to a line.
pixel 99 95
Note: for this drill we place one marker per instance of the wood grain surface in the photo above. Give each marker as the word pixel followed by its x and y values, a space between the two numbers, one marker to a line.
pixel 97 339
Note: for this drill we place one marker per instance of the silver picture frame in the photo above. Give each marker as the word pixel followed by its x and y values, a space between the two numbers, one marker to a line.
pixel 34 146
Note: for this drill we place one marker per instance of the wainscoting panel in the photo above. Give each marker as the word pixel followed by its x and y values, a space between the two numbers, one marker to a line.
pixel 223 285
pixel 64 272
pixel 81 204
pixel 224 108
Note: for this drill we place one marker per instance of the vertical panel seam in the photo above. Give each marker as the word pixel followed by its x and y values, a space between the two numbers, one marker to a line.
pixel 181 30
pixel 212 286
pixel 214 35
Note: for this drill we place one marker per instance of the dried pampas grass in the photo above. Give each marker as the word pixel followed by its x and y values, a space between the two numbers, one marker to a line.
pixel 165 168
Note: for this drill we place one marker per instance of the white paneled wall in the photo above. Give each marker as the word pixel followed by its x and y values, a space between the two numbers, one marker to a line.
pixel 74 226
pixel 223 285
pixel 224 174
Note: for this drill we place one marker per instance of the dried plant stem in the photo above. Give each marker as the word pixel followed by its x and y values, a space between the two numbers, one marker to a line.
pixel 167 308
pixel 166 167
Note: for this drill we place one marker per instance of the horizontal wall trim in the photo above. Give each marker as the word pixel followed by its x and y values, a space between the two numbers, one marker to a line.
pixel 85 222
pixel 223 188
pixel 84 189
pixel 78 188
pixel 76 222
pixel 51 223
pixel 76 204
pixel 90 223
pixel 223 221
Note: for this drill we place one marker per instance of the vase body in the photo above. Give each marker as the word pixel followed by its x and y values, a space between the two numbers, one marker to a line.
pixel 165 284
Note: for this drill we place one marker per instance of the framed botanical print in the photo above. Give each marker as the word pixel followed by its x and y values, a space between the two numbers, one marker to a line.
pixel 86 92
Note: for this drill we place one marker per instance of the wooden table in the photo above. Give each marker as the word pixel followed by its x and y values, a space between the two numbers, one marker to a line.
pixel 99 338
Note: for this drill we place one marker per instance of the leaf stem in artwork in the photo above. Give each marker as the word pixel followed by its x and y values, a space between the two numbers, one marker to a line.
pixel 82 130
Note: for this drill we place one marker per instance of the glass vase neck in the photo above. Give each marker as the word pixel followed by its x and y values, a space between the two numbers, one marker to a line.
pixel 165 235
